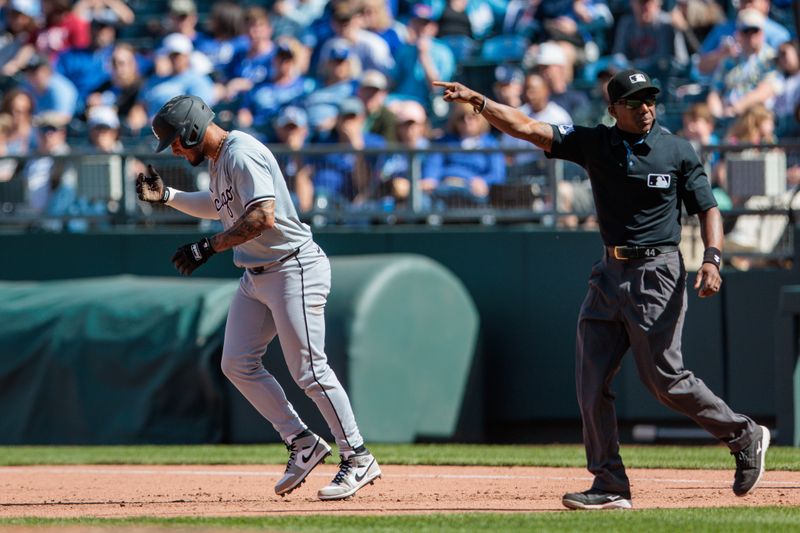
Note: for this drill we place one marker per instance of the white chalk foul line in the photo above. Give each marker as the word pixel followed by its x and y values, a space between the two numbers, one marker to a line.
pixel 249 473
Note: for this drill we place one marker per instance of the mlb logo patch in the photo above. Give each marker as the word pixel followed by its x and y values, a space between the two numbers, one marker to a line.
pixel 637 78
pixel 566 129
pixel 658 181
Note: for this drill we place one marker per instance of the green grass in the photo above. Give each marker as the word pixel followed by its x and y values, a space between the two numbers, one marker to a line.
pixel 724 520
pixel 712 457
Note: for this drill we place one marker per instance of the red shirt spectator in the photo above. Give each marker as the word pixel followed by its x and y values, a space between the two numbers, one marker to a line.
pixel 63 29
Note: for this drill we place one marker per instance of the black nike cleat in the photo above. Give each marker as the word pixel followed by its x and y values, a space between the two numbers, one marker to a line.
pixel 596 499
pixel 750 463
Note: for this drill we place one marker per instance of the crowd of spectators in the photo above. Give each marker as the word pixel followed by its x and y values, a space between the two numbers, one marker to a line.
pixel 82 75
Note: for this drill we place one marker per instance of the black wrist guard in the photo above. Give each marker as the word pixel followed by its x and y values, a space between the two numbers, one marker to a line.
pixel 713 255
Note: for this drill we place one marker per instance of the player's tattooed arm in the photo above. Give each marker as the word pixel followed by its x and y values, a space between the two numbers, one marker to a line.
pixel 257 219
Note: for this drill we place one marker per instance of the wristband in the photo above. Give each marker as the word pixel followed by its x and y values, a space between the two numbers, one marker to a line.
pixel 713 255
pixel 165 196
pixel 479 110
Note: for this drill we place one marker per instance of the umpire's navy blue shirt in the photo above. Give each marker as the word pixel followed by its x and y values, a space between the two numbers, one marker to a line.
pixel 638 188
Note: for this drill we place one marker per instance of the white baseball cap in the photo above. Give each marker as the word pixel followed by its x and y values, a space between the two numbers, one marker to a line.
pixel 550 53
pixel 176 43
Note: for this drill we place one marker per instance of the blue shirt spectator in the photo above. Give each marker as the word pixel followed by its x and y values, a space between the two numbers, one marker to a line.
pixel 51 91
pixel 88 68
pixel 422 60
pixel 181 78
pixel 465 175
pixel 720 43
pixel 350 175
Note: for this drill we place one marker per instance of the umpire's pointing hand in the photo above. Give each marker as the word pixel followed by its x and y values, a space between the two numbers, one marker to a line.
pixel 457 92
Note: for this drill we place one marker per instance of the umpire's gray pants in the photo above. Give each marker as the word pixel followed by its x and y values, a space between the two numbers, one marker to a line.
pixel 290 302
pixel 640 304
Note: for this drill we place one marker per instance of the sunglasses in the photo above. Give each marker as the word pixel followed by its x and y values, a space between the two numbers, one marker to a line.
pixel 636 103
pixel 750 31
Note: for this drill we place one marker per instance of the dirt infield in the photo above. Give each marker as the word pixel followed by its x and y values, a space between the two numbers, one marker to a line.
pixel 169 491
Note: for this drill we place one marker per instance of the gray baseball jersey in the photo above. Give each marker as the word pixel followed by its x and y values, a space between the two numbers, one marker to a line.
pixel 283 292
pixel 246 172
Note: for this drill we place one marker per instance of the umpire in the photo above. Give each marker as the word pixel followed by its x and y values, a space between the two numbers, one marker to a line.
pixel 641 176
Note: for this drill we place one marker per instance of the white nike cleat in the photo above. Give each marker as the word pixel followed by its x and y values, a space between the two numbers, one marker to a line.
pixel 354 472
pixel 306 451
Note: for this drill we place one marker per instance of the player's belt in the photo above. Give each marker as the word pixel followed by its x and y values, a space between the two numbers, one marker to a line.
pixel 261 269
pixel 638 252
pixel 264 268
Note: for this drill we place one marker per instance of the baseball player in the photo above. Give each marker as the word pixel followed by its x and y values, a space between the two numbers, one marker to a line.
pixel 641 175
pixel 283 289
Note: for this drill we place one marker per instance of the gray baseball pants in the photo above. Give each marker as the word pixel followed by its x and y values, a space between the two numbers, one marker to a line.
pixel 287 300
pixel 640 304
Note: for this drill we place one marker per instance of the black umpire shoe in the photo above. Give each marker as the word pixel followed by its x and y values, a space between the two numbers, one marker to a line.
pixel 597 499
pixel 750 463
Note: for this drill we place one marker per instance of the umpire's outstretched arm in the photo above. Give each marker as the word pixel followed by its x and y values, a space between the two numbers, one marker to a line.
pixel 503 117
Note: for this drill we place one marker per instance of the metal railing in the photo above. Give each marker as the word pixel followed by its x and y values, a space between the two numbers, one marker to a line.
pixel 763 179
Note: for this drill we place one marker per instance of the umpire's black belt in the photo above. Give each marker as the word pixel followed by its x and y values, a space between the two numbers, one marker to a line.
pixel 638 252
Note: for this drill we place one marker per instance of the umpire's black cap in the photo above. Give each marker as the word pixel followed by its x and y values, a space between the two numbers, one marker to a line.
pixel 627 82
pixel 185 117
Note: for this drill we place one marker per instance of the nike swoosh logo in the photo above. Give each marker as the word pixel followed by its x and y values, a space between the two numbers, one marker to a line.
pixel 359 478
pixel 305 458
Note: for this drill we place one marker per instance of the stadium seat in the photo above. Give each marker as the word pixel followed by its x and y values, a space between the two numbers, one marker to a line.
pixel 504 48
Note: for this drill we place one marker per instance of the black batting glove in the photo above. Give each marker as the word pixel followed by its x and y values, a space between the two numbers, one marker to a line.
pixel 151 188
pixel 190 256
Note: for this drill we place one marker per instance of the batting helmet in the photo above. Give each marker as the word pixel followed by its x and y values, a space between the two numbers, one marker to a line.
pixel 185 117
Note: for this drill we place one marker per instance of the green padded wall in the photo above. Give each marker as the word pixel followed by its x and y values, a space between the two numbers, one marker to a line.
pixel 410 331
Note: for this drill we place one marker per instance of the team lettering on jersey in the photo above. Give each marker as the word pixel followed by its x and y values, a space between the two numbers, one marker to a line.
pixel 224 200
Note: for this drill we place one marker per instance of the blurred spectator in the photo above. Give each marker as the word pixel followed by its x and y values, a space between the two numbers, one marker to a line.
pixel 340 74
pixel 103 124
pixel 179 78
pixel 63 29
pixel 292 17
pixel 348 25
pixel 788 100
pixel 291 128
pixel 122 91
pixel 507 88
pixel 721 43
pixel 372 91
pixel 182 18
pixel 422 60
pixel 454 20
pixel 694 20
pixel 51 91
pixel 110 12
pixel 51 182
pixel 751 77
pixel 322 120
pixel 350 175
pixel 599 96
pixel 378 19
pixel 698 128
pixel 89 67
pixel 755 126
pixel 7 166
pixel 482 14
pixel 252 66
pixel 18 38
pixel 396 173
pixel 287 87
pixel 551 63
pixel 464 178
pixel 646 37
pixel 538 106
pixel 225 38
pixel 19 105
